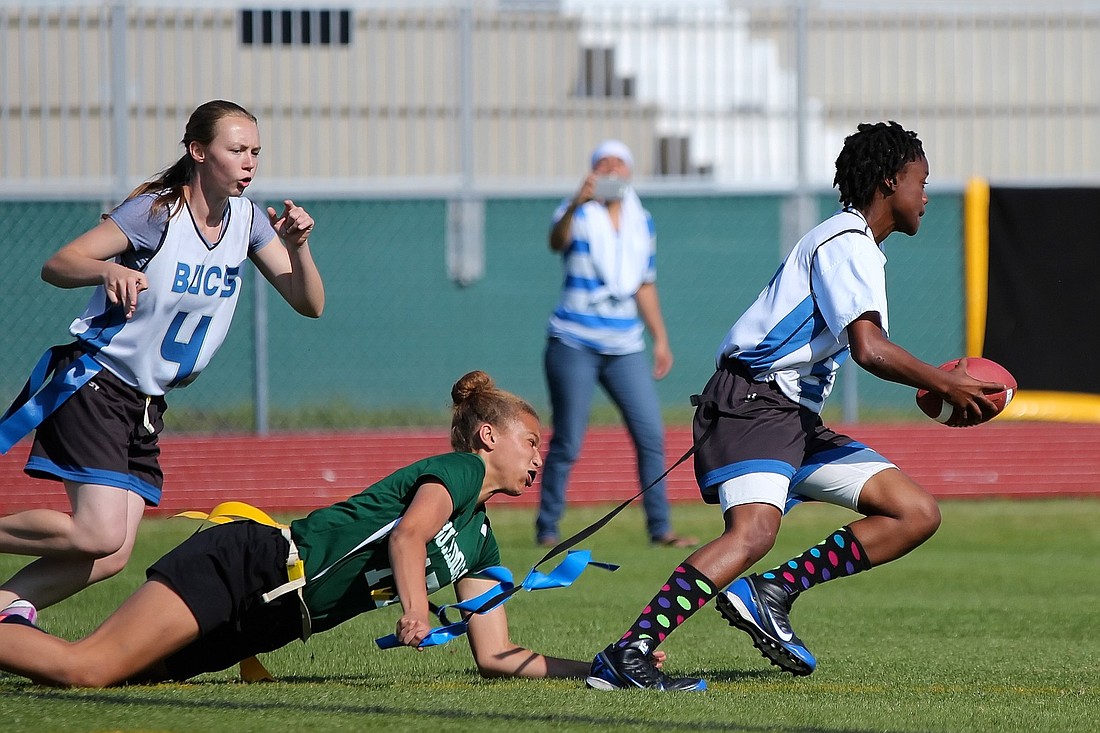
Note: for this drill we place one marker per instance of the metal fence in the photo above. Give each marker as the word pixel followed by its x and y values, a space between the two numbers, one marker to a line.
pixel 433 139
pixel 397 332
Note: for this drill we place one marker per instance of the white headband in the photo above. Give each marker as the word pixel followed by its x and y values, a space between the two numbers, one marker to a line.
pixel 613 148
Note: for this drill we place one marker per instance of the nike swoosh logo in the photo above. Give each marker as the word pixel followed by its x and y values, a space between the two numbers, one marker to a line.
pixel 783 635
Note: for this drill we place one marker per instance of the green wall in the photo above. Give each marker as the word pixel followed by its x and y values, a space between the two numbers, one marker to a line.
pixel 396 332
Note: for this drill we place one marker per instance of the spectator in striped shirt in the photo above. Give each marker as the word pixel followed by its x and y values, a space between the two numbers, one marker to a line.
pixel 596 335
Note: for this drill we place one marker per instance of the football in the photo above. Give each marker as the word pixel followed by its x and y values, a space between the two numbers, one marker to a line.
pixel 986 370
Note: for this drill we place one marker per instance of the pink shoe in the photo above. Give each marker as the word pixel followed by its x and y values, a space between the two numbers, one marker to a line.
pixel 21 608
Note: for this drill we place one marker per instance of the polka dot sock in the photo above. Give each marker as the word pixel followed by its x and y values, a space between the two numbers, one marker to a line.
pixel 686 592
pixel 839 555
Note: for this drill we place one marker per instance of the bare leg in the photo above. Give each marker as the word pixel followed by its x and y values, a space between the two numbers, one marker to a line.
pixel 103 516
pixel 152 624
pixel 900 516
pixel 96 526
pixel 749 534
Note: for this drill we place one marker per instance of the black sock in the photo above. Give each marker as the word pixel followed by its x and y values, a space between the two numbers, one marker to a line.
pixel 837 556
pixel 686 591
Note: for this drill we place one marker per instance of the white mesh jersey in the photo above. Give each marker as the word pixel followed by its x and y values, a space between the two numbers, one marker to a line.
pixel 184 315
pixel 794 333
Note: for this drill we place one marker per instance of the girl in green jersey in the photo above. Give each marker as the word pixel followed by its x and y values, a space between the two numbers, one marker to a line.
pixel 203 607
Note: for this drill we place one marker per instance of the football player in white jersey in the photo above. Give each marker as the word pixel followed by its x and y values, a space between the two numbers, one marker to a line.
pixel 761 443
pixel 165 265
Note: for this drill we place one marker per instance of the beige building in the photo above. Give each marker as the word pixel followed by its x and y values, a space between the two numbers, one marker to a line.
pixel 370 97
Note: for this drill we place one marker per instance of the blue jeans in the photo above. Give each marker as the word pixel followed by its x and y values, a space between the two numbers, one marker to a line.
pixel 571 375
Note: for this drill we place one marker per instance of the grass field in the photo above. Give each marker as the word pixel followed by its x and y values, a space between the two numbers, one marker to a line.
pixel 991 626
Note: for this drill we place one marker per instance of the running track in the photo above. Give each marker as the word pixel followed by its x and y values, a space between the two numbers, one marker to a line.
pixel 298 472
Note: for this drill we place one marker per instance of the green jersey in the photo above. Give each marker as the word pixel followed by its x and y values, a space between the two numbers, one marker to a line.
pixel 346 550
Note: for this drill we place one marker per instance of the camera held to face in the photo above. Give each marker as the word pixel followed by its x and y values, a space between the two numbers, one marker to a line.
pixel 609 188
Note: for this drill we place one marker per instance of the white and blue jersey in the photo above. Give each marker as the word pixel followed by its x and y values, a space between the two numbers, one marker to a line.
pixel 589 313
pixel 794 333
pixel 193 286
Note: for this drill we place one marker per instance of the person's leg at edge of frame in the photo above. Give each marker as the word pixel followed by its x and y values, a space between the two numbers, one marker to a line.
pixel 103 517
pixel 750 532
pixel 571 382
pixel 149 626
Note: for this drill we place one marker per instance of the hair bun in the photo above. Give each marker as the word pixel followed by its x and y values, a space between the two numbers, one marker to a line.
pixel 470 384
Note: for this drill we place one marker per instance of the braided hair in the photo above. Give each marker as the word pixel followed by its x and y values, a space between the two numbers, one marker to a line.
pixel 873 154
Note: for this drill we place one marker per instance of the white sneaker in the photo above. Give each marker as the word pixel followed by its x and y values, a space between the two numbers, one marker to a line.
pixel 19 607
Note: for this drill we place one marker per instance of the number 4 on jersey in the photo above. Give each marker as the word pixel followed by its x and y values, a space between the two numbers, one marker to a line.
pixel 184 353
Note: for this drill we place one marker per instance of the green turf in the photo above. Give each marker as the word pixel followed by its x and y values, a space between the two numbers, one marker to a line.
pixel 991 626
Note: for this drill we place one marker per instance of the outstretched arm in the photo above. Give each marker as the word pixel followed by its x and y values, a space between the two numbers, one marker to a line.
pixel 886 360
pixel 408 544
pixel 495 653
pixel 287 263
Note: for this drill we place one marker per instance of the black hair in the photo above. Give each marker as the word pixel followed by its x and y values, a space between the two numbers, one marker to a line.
pixel 874 153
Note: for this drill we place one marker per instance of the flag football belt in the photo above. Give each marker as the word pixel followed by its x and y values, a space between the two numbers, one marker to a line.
pixel 46 390
pixel 562 576
pixel 233 511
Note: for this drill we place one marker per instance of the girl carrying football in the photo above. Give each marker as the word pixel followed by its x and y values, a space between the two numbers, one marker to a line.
pixel 762 444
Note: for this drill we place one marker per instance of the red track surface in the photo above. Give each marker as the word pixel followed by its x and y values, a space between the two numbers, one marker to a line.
pixel 296 473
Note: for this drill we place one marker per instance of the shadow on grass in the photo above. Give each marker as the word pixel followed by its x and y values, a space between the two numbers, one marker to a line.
pixel 128 698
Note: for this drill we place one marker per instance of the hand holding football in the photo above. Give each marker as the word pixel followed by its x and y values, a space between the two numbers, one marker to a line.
pixel 985 370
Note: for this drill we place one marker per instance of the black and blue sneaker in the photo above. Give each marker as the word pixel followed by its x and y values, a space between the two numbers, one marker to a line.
pixel 629 667
pixel 761 609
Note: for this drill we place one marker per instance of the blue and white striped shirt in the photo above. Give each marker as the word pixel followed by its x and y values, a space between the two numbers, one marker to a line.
pixel 794 333
pixel 588 314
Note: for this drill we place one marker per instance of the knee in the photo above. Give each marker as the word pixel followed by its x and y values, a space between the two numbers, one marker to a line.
pixel 893 495
pixel 918 517
pixel 563 450
pixel 74 668
pixel 651 445
pixel 758 544
pixel 110 565
pixel 82 674
pixel 101 543
pixel 752 540
pixel 924 517
pixel 723 559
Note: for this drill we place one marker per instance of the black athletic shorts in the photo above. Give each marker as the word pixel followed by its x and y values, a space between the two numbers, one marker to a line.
pixel 220 573
pixel 106 434
pixel 744 426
